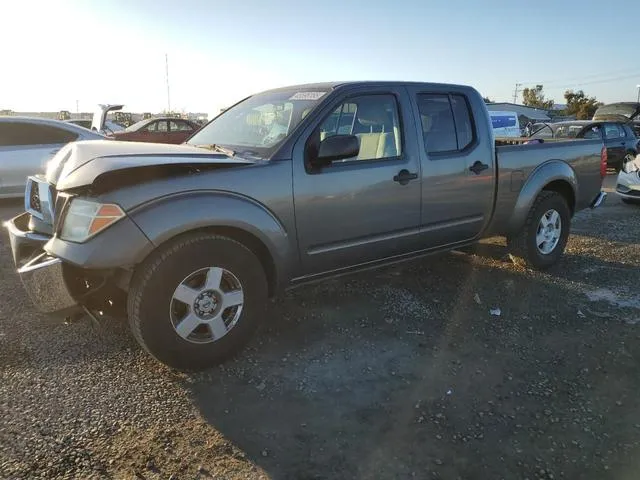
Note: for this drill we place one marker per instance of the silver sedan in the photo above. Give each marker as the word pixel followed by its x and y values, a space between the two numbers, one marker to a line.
pixel 27 144
pixel 628 184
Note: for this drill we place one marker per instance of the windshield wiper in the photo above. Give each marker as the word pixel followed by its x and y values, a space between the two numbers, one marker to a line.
pixel 219 148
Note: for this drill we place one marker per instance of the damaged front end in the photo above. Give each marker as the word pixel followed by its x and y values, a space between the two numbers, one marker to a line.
pixel 70 258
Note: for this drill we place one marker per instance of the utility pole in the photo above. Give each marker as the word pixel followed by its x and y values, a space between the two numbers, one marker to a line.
pixel 515 92
pixel 166 62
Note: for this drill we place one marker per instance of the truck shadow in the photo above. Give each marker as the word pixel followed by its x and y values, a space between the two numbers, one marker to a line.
pixel 407 373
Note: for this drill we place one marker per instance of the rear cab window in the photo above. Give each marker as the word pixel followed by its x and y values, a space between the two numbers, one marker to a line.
pixel 447 123
pixel 21 133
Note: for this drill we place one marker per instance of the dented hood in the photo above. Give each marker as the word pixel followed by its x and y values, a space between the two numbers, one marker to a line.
pixel 79 163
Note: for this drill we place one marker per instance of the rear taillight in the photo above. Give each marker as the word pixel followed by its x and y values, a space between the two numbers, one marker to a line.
pixel 603 162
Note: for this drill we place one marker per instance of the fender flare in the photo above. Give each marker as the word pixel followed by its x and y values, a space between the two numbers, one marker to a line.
pixel 545 174
pixel 167 217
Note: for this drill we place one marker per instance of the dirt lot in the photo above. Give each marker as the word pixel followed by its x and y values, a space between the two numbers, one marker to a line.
pixel 402 373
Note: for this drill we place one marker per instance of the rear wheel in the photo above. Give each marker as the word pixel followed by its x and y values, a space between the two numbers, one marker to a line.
pixel 543 238
pixel 197 300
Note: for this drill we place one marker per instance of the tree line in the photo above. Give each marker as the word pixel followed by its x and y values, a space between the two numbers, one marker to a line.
pixel 578 103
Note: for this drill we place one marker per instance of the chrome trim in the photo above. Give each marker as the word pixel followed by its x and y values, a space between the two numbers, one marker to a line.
pixel 599 200
pixel 44 194
pixel 43 278
pixel 39 262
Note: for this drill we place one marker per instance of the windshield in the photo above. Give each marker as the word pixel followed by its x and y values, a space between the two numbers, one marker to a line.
pixel 260 123
pixel 136 126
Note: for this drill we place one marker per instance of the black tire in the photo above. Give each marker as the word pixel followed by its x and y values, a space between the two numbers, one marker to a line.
pixel 523 244
pixel 156 279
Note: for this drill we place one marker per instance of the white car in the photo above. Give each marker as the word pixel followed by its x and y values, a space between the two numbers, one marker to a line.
pixel 27 144
pixel 109 126
pixel 628 184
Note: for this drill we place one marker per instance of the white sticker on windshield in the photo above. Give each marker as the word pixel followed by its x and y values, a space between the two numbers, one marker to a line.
pixel 307 96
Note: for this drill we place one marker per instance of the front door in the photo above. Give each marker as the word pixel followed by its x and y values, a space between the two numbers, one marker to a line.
pixel 364 208
pixel 179 131
pixel 458 165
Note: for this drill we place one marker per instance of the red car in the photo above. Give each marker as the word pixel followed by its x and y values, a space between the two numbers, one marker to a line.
pixel 158 130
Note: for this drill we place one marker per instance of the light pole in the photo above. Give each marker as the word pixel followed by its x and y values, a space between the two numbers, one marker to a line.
pixel 638 87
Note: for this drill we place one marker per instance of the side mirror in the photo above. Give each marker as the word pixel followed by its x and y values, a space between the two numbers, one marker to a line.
pixel 337 147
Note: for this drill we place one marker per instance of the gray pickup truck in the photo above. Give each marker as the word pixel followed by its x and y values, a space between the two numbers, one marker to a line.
pixel 287 186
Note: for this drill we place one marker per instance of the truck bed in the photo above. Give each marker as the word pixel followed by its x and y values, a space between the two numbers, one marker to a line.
pixel 516 160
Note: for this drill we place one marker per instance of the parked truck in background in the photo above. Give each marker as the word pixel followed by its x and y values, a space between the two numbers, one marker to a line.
pixel 288 186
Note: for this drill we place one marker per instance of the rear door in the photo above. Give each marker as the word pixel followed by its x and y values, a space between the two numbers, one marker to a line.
pixel 616 143
pixel 161 134
pixel 154 132
pixel 365 208
pixel 179 131
pixel 25 149
pixel 458 165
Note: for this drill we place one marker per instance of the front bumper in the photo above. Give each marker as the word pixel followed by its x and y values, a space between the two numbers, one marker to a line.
pixel 628 185
pixel 41 274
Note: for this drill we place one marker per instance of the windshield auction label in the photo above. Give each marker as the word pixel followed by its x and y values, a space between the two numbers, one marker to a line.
pixel 307 95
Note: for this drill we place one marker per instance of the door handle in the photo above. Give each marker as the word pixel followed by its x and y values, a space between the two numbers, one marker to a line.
pixel 404 176
pixel 478 167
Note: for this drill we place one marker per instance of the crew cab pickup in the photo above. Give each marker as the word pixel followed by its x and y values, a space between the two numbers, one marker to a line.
pixel 285 187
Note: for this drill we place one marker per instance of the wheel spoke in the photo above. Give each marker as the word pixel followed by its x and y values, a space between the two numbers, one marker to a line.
pixel 187 325
pixel 544 221
pixel 185 294
pixel 214 277
pixel 540 238
pixel 231 299
pixel 553 220
pixel 217 327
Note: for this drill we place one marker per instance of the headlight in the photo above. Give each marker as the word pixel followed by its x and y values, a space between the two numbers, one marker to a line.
pixel 85 218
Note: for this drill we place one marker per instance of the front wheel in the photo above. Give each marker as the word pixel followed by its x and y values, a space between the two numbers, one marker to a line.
pixel 197 300
pixel 543 238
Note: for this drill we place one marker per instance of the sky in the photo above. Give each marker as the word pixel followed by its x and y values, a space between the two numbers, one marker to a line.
pixel 63 54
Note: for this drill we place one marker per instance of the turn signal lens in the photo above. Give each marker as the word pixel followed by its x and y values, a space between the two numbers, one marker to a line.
pixel 86 218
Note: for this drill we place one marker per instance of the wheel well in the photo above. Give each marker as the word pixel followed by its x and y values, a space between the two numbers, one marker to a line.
pixel 563 188
pixel 254 244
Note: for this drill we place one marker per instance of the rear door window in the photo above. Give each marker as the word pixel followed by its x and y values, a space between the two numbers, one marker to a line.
pixel 612 131
pixel 465 131
pixel 179 126
pixel 447 124
pixel 20 133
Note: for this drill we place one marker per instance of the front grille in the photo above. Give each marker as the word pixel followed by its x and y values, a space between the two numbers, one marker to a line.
pixel 34 198
pixel 38 199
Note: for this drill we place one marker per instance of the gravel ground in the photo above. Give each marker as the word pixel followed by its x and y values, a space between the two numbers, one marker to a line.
pixel 403 373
